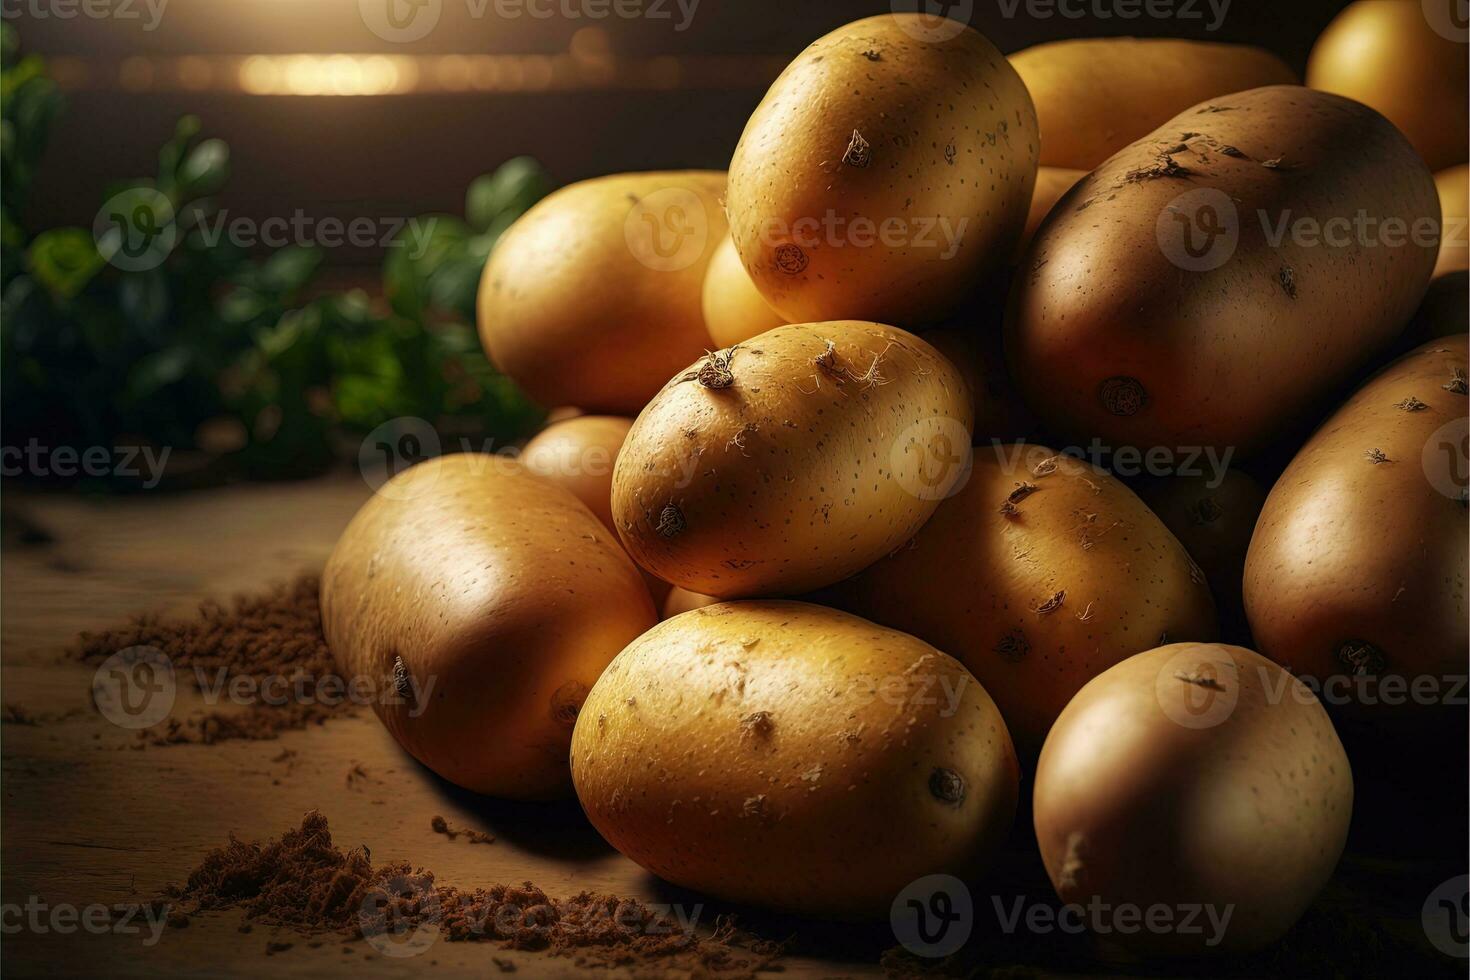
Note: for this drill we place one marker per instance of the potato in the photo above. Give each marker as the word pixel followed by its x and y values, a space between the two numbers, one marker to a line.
pixel 1400 58
pixel 734 310
pixel 1356 573
pixel 974 346
pixel 682 601
pixel 485 601
pixel 1197 784
pixel 786 755
pixel 1214 282
pixel 592 298
pixel 1213 516
pixel 1454 205
pixel 1094 96
pixel 792 460
pixel 885 175
pixel 1039 575
pixel 1052 184
pixel 579 454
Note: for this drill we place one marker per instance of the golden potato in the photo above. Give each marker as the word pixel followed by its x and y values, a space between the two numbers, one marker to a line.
pixel 486 602
pixel 1356 574
pixel 734 310
pixel 1401 58
pixel 579 454
pixel 1454 205
pixel 592 297
pixel 787 755
pixel 1042 572
pixel 1213 284
pixel 1199 782
pixel 1052 184
pixel 885 176
pixel 1094 96
pixel 792 460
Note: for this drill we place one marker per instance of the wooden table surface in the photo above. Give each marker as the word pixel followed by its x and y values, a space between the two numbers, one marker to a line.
pixel 88 818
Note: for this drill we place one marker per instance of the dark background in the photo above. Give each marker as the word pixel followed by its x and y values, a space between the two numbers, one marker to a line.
pixel 406 154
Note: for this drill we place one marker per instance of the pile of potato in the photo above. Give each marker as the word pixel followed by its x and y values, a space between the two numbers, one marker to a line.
pixel 886 613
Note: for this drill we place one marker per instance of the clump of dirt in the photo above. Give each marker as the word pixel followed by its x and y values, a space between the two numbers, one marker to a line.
pixel 304 882
pixel 272 638
pixel 441 826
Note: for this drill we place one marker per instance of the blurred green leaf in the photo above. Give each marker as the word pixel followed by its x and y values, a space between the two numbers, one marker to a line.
pixel 63 260
pixel 204 170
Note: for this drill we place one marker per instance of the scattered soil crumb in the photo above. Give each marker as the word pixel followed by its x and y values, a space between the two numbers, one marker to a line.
pixel 441 826
pixel 304 882
pixel 273 634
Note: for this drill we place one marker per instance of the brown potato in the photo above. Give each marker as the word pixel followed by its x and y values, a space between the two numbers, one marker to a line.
pixel 486 601
pixel 1094 96
pixel 1356 573
pixel 1040 574
pixel 975 348
pixel 734 310
pixel 1130 323
pixel 791 756
pixel 1401 58
pixel 792 460
pixel 592 298
pixel 1196 776
pixel 1052 184
pixel 1454 205
pixel 885 175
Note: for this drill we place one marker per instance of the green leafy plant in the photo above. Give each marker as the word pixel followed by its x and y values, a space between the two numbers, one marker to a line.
pixel 224 357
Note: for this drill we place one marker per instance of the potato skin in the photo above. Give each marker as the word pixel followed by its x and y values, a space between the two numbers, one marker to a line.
pixel 578 454
pixel 787 755
pixel 1052 184
pixel 975 581
pixel 933 140
pixel 1094 96
pixel 682 600
pixel 734 310
pixel 1358 564
pixel 824 447
pixel 1110 336
pixel 1385 54
pixel 570 311
pixel 1194 773
pixel 1453 186
pixel 501 589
